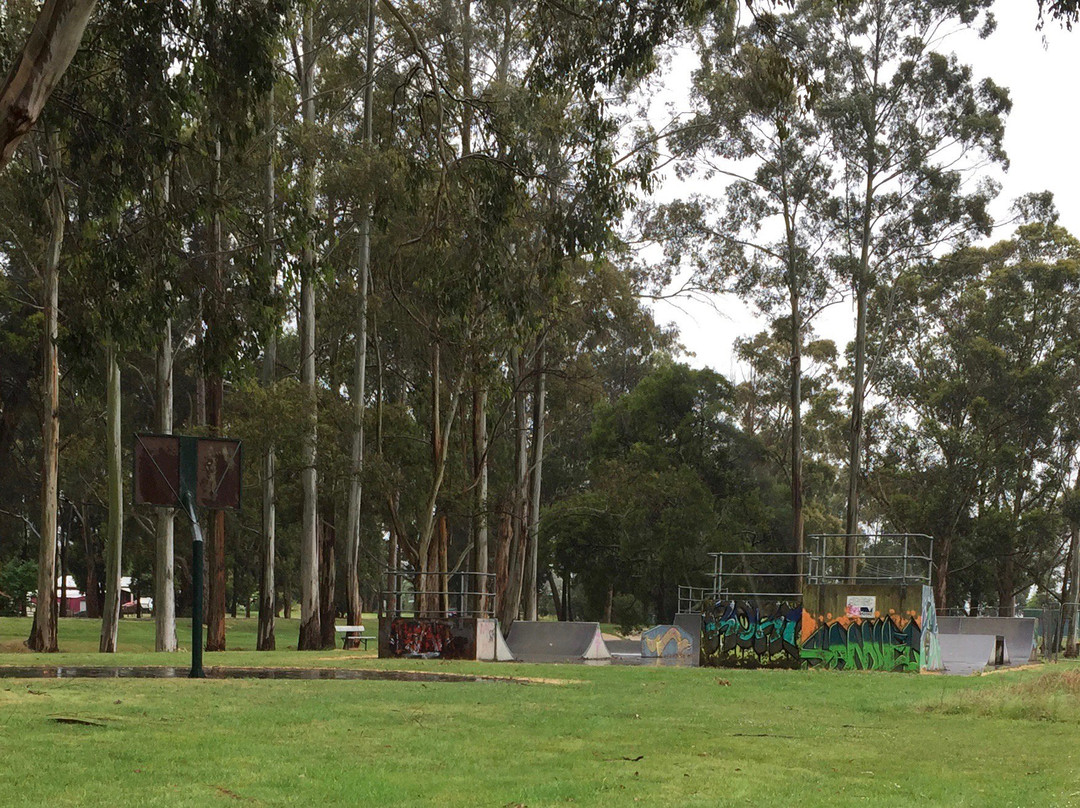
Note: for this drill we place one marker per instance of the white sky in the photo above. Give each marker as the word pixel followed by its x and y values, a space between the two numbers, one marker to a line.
pixel 1040 69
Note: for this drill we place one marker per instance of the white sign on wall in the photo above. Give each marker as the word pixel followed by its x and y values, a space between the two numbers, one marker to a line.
pixel 861 605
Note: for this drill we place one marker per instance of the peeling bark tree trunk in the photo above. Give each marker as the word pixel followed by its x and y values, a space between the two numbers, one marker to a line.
pixel 115 540
pixel 164 573
pixel 49 49
pixel 310 631
pixel 43 630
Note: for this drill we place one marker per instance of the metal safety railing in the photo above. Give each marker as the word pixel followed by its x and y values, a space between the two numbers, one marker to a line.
pixel 894 558
pixel 410 593
pixel 904 559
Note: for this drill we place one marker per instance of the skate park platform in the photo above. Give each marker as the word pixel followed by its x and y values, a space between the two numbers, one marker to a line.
pixel 546 641
pixel 1019 633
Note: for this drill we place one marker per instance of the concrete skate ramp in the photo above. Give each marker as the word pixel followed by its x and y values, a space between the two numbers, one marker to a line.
pixel 968 653
pixel 1019 632
pixel 556 642
pixel 490 644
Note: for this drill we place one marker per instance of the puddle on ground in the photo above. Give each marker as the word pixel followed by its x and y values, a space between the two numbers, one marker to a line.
pixel 148 672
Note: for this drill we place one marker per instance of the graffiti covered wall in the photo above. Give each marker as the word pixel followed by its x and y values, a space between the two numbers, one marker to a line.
pixel 866 634
pixel 745 635
pixel 889 643
pixel 427 637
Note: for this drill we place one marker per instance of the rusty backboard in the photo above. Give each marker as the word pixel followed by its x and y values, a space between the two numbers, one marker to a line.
pixel 167 465
pixel 157 470
pixel 217 480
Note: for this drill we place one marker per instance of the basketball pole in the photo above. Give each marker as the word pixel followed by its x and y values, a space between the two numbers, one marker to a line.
pixel 172 471
pixel 189 465
pixel 196 591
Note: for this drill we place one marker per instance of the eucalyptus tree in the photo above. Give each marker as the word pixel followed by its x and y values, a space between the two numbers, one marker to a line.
pixel 43 631
pixel 908 124
pixel 981 440
pixel 37 69
pixel 770 241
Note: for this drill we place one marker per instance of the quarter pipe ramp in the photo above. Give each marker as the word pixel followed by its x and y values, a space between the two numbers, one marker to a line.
pixel 544 641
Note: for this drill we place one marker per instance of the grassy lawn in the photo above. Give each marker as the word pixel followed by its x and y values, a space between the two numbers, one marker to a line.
pixel 601 736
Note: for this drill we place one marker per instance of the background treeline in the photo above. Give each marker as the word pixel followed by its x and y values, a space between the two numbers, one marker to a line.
pixel 390 246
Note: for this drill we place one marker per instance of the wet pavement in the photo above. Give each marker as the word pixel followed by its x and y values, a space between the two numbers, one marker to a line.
pixel 148 672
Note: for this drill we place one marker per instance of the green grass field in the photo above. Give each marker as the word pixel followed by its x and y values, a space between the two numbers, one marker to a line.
pixel 596 736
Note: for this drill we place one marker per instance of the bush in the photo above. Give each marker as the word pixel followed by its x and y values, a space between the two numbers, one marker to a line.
pixel 17 580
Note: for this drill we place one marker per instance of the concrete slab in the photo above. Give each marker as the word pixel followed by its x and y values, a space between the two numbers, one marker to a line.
pixel 1019 632
pixel 544 641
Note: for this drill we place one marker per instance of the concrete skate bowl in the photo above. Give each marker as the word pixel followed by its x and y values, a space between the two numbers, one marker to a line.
pixel 543 641
pixel 1019 633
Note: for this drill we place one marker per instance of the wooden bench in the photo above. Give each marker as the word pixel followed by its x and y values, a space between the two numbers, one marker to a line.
pixel 353 634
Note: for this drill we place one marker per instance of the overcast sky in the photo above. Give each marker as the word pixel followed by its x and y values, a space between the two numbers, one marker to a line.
pixel 1041 70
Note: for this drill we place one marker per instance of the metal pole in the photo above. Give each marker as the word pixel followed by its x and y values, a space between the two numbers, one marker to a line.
pixel 197 591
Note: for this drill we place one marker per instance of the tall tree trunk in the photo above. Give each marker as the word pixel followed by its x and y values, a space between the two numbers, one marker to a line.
pixel 480 497
pixel 941 586
pixel 115 487
pixel 441 429
pixel 1071 593
pixel 327 575
pixel 519 500
pixel 52 43
pixel 444 565
pixel 43 631
pixel 556 596
pixel 1007 588
pixel 65 540
pixel 531 556
pixel 858 392
pixel 93 585
pixel 393 562
pixel 164 572
pixel 794 293
pixel 215 395
pixel 310 631
pixel 265 640
pixel 217 572
pixel 359 393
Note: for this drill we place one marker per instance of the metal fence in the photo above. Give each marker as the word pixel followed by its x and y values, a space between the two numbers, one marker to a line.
pixel 438 594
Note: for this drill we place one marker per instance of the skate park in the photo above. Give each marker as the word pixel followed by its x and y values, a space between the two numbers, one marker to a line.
pixel 869 610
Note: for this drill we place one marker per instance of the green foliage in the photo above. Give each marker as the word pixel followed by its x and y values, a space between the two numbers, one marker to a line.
pixel 982 427
pixel 17 580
